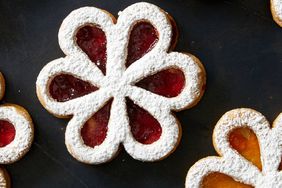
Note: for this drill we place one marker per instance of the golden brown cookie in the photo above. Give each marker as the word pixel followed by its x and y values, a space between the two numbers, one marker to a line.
pixel 120 82
pixel 250 153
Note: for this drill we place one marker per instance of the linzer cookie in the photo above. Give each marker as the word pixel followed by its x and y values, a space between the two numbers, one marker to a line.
pixel 16 134
pixel 250 153
pixel 276 9
pixel 120 83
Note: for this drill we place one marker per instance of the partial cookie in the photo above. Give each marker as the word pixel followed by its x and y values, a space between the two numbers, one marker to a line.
pixel 250 153
pixel 16 134
pixel 276 9
pixel 120 83
pixel 4 179
pixel 2 86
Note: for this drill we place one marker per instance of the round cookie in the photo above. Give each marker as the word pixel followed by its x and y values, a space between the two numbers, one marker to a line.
pixel 19 118
pixel 120 82
pixel 241 163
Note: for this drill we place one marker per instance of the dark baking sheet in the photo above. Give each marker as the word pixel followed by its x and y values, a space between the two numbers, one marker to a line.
pixel 237 41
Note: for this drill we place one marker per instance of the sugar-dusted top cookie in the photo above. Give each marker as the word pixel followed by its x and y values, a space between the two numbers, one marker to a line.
pixel 120 82
pixel 276 9
pixel 250 153
pixel 16 134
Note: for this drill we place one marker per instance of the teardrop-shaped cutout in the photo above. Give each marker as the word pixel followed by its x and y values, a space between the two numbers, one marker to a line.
pixel 245 141
pixel 143 38
pixel 94 131
pixel 65 87
pixel 92 40
pixel 144 127
pixel 168 83
pixel 219 180
pixel 7 133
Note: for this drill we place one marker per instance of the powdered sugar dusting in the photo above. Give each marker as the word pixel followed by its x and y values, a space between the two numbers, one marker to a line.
pixel 119 82
pixel 232 163
pixel 23 138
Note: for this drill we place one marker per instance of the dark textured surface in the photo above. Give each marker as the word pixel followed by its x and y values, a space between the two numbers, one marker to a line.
pixel 237 41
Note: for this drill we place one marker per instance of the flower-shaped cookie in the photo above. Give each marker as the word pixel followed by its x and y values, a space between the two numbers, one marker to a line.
pixel 16 134
pixel 276 9
pixel 232 141
pixel 120 83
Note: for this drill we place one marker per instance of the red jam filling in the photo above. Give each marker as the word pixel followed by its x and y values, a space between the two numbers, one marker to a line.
pixel 92 40
pixel 219 180
pixel 65 87
pixel 94 131
pixel 143 38
pixel 144 127
pixel 245 142
pixel 168 83
pixel 7 133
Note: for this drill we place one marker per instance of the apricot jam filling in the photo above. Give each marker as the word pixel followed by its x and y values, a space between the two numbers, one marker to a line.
pixel 219 180
pixel 246 143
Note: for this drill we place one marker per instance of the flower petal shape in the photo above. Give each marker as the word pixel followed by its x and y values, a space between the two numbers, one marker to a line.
pixel 130 53
pixel 232 163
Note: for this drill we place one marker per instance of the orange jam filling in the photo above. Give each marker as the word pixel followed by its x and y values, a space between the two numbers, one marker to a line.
pixel 219 180
pixel 245 142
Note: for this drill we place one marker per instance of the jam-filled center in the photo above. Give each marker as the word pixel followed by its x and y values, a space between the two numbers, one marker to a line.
pixel 7 133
